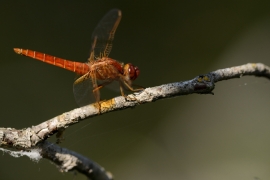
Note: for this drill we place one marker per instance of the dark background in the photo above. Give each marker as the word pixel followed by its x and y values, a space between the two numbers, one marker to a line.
pixel 225 136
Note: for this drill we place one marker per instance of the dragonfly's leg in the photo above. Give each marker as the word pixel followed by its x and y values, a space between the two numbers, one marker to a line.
pixel 123 94
pixel 131 88
pixel 122 90
pixel 101 86
pixel 98 87
pixel 96 92
pixel 95 89
pixel 127 84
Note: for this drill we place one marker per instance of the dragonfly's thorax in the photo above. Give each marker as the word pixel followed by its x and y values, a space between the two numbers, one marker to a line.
pixel 106 69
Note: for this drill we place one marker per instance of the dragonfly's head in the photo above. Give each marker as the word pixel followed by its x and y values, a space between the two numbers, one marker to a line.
pixel 131 72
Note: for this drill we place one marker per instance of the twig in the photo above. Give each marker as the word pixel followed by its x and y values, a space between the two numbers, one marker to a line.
pixel 68 160
pixel 28 138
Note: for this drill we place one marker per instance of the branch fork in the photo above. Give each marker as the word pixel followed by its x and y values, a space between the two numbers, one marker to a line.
pixel 33 138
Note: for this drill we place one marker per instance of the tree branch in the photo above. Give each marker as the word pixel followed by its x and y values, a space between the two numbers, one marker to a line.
pixel 29 138
pixel 69 160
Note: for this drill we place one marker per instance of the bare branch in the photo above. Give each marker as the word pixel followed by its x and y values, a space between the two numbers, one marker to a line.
pixel 255 69
pixel 203 84
pixel 68 160
pixel 29 138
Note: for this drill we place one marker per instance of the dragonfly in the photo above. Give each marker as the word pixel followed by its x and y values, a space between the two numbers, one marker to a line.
pixel 100 70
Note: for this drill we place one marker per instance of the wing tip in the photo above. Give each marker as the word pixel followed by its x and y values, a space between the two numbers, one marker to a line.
pixel 119 12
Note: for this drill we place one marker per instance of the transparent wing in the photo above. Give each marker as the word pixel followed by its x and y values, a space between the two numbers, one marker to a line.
pixel 83 91
pixel 86 89
pixel 103 34
pixel 102 37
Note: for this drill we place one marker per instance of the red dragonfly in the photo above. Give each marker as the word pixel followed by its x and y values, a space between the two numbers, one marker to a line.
pixel 99 70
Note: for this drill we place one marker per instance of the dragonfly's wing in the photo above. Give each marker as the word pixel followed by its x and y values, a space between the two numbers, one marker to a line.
pixel 86 89
pixel 101 40
pixel 103 35
pixel 83 90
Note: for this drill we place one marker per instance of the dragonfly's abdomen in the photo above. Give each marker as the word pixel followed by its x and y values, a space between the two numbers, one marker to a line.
pixel 77 67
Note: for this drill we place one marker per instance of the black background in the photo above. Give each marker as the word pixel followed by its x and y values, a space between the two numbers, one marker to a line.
pixel 190 137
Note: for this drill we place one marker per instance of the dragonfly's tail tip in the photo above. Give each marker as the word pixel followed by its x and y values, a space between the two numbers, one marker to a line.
pixel 17 50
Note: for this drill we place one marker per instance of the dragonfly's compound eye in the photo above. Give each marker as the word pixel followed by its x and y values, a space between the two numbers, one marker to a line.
pixel 133 72
pixel 137 71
